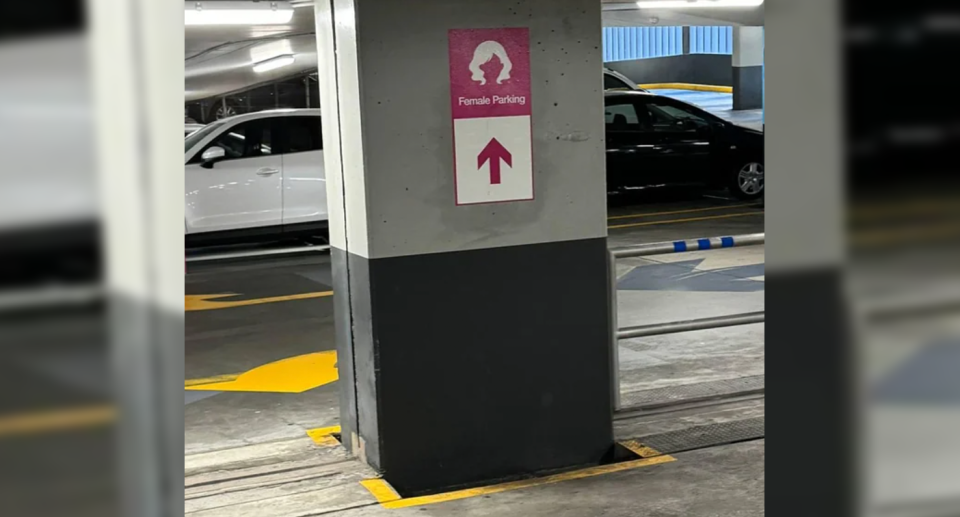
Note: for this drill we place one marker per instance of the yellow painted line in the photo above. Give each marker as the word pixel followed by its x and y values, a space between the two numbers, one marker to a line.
pixel 291 375
pixel 687 86
pixel 388 497
pixel 211 380
pixel 874 210
pixel 689 211
pixel 381 490
pixel 905 236
pixel 640 449
pixel 57 420
pixel 201 302
pixel 323 435
pixel 687 220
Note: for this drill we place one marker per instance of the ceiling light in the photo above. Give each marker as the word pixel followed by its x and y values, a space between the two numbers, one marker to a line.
pixel 273 63
pixel 669 4
pixel 237 13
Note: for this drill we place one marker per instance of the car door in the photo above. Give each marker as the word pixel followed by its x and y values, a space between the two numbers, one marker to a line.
pixel 304 181
pixel 241 190
pixel 632 146
pixel 685 140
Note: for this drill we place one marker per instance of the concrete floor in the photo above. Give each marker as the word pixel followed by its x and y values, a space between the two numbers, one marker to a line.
pixel 725 480
pixel 297 478
pixel 697 284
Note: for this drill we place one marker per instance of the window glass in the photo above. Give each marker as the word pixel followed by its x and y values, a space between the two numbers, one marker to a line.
pixel 246 140
pixel 303 134
pixel 194 138
pixel 667 117
pixel 611 82
pixel 621 116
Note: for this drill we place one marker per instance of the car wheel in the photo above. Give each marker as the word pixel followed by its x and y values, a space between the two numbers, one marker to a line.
pixel 747 180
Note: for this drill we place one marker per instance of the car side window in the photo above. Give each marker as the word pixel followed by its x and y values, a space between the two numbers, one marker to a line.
pixel 668 117
pixel 611 82
pixel 621 116
pixel 302 134
pixel 245 140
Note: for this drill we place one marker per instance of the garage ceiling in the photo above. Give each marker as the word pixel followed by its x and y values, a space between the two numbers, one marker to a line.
pixel 218 58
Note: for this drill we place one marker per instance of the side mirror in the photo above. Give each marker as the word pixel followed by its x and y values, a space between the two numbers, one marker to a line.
pixel 211 156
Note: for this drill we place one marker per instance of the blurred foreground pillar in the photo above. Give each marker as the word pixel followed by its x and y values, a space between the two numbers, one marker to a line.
pixel 810 456
pixel 468 220
pixel 138 69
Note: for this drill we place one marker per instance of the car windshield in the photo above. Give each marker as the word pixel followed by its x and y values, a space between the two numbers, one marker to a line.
pixel 194 138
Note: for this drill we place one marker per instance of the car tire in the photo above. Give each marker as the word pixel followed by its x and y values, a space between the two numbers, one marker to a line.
pixel 747 180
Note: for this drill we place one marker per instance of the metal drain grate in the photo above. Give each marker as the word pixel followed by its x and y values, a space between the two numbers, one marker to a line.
pixel 700 437
pixel 659 397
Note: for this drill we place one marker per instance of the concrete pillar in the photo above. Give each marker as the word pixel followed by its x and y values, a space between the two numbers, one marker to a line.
pixel 135 62
pixel 471 304
pixel 747 68
pixel 686 39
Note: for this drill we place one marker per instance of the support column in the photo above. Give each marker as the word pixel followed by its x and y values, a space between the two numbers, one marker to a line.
pixel 473 338
pixel 747 68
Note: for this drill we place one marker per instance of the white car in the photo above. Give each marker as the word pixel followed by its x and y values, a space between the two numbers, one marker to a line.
pixel 255 174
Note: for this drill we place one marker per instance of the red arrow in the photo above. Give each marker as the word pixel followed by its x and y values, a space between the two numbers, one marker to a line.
pixel 494 152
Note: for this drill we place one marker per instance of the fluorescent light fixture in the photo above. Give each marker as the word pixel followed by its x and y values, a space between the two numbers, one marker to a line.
pixel 672 4
pixel 273 63
pixel 237 13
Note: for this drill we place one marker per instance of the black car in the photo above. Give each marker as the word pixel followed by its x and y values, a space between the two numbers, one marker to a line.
pixel 654 140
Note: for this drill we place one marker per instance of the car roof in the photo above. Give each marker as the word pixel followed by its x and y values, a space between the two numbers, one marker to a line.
pixel 271 113
pixel 628 93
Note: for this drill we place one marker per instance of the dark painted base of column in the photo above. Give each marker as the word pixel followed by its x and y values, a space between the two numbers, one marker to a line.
pixel 747 87
pixel 476 366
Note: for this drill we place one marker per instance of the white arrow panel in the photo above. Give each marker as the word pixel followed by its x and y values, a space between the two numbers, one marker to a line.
pixel 471 135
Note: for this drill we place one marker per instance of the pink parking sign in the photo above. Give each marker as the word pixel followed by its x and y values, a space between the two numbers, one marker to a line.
pixel 491 107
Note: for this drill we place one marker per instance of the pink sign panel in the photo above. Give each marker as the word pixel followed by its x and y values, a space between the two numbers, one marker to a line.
pixel 491 107
pixel 489 72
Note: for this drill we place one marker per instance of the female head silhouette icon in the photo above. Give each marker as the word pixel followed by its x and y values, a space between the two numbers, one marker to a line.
pixel 484 53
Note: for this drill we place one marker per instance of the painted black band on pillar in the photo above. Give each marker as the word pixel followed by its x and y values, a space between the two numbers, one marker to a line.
pixel 478 365
pixel 747 87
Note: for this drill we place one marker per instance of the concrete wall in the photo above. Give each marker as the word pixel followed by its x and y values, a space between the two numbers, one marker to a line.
pixel 713 69
pixel 401 159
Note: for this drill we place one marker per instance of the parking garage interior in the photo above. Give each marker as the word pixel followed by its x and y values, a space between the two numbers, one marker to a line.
pixel 265 376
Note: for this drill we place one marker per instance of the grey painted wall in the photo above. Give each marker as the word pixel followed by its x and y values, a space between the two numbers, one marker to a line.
pixel 712 69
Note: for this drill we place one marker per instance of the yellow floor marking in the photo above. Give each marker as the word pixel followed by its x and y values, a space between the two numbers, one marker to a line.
pixel 381 490
pixel 687 86
pixel 903 236
pixel 211 380
pixel 291 375
pixel 201 302
pixel 640 449
pixel 689 219
pixel 388 497
pixel 678 211
pixel 322 435
pixel 57 420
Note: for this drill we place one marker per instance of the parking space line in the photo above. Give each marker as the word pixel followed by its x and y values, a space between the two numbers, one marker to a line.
pixel 389 498
pixel 202 302
pixel 689 219
pixel 57 420
pixel 689 211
